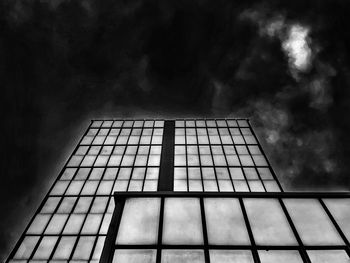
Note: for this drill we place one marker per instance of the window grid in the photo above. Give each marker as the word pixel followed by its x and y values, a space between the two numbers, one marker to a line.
pixel 255 249
pixel 90 186
pixel 80 209
pixel 248 175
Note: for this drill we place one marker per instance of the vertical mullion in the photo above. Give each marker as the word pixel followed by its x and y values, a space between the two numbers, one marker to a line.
pixel 137 149
pixel 148 153
pixel 166 169
pixel 62 196
pixel 267 160
pixel 92 201
pixel 205 234
pixel 199 155
pixel 115 146
pixel 212 157
pixel 251 156
pixel 160 230
pixel 186 156
pixel 121 160
pixel 238 157
pixel 223 150
pixel 109 245
pixel 77 196
pixel 109 198
pixel 250 232
pixel 336 225
pixel 302 250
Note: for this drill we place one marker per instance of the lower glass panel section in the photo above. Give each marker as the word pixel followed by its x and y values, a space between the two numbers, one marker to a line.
pixel 231 256
pixel 279 256
pixel 326 256
pixel 134 256
pixel 182 256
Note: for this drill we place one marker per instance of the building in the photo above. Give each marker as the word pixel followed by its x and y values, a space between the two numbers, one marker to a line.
pixel 180 191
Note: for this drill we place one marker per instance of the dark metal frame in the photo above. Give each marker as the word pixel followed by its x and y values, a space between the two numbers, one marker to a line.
pixel 165 185
pixel 48 195
pixel 120 199
pixel 217 126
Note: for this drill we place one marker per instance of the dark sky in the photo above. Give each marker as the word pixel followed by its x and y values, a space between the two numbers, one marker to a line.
pixel 284 64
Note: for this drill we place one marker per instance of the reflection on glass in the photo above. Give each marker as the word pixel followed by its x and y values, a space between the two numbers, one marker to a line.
pixel 182 221
pixel 328 256
pixel 64 247
pixel 312 222
pixel 43 251
pixel 225 223
pixel 134 256
pixel 26 248
pixel 278 256
pixel 231 256
pixel 39 224
pixel 268 222
pixel 84 247
pixel 340 209
pixel 182 256
pixel 139 223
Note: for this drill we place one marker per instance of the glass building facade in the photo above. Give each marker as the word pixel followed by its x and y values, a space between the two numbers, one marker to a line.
pixel 194 190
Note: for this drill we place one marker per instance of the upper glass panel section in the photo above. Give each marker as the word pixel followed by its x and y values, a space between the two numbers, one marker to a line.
pixel 220 156
pixel 72 224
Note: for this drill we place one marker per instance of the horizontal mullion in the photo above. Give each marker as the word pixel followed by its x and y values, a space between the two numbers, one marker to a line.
pixel 235 194
pixel 64 235
pixel 115 166
pixel 211 144
pixel 229 247
pixel 221 166
pixel 128 144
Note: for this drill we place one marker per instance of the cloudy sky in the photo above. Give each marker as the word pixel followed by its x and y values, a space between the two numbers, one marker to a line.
pixel 63 62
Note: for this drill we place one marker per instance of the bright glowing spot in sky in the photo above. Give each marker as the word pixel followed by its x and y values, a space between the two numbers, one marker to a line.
pixel 296 45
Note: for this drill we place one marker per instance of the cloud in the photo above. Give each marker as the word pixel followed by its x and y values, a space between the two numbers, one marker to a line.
pixel 297 47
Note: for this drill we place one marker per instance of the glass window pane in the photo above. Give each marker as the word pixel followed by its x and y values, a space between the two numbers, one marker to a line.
pixel 84 247
pixel 182 221
pixel 83 205
pixel 195 185
pixel 182 256
pixel 64 248
pixel 150 185
pixel 225 186
pixel 56 224
pixel 139 223
pixel 256 186
pixel 44 250
pixel 210 185
pixel 39 224
pixel 180 173
pixel 312 222
pixel 135 185
pixel 50 205
pixel 278 256
pixel 225 223
pixel 327 256
pixel 92 224
pixel 340 209
pixel 240 186
pixel 268 222
pixel 271 186
pixel 99 204
pixel 180 185
pixel 74 224
pixel 231 256
pixel 26 247
pixel 66 205
pixel 134 256
pixel 98 248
